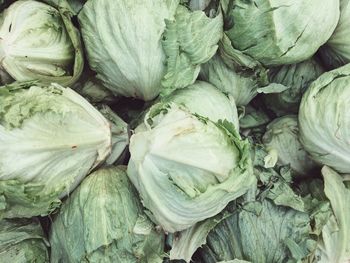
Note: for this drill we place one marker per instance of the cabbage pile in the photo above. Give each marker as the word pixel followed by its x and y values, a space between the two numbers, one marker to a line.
pixel 175 131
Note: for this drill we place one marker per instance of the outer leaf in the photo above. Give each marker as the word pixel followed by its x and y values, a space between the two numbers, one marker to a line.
pixel 103 221
pixel 92 90
pixel 190 40
pixel 73 5
pixel 186 242
pixel 123 40
pixel 242 63
pixel 270 236
pixel 51 138
pixel 242 88
pixel 335 245
pixel 253 118
pixel 23 241
pixel 120 135
pixel 297 78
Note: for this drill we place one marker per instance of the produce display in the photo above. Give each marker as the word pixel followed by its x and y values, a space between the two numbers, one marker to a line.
pixel 175 131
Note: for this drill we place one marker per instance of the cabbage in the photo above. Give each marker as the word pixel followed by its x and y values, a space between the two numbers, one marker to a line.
pixel 140 48
pixel 276 32
pixel 103 221
pixel 282 137
pixel 186 167
pixel 324 119
pixel 50 139
pixel 296 78
pixel 205 100
pixel 40 42
pixel 336 52
pixel 242 88
pixel 272 234
pixel 23 241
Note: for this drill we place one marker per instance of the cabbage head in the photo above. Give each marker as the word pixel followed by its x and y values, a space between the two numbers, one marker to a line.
pixel 336 52
pixel 23 241
pixel 50 139
pixel 260 232
pixel 186 167
pixel 40 42
pixel 141 48
pixel 205 100
pixel 276 32
pixel 324 119
pixel 103 221
pixel 282 139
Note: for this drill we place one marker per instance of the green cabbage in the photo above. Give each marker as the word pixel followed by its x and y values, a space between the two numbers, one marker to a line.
pixel 186 167
pixel 336 52
pixel 271 234
pixel 276 32
pixel 40 42
pixel 23 241
pixel 103 221
pixel 50 139
pixel 282 138
pixel 324 119
pixel 140 48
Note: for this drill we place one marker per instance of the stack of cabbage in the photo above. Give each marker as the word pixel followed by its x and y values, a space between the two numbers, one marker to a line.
pixel 175 131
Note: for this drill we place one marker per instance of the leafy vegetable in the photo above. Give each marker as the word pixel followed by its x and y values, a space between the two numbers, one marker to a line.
pixel 190 40
pixel 103 221
pixel 279 32
pixel 205 100
pixel 51 138
pixel 296 78
pixel 282 136
pixel 94 91
pixel 242 88
pixel 74 6
pixel 336 52
pixel 123 44
pixel 183 162
pixel 335 244
pixel 23 241
pixel 324 119
pixel 275 234
pixel 40 42
pixel 141 48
